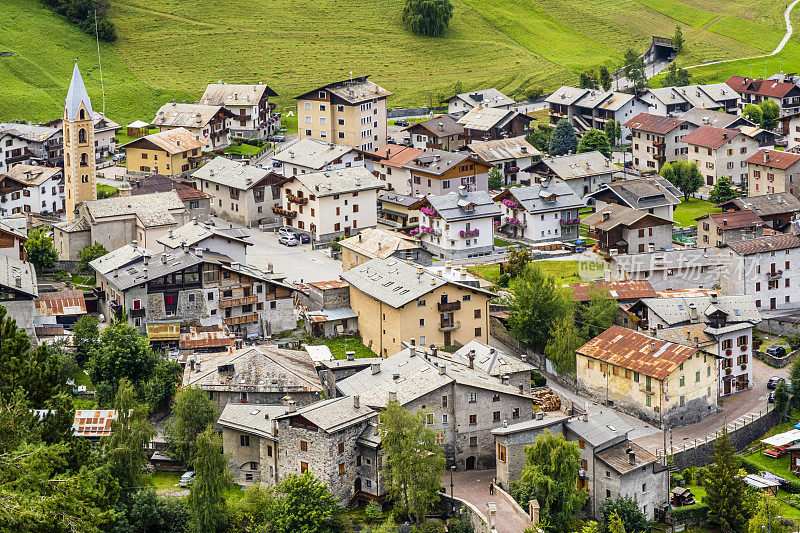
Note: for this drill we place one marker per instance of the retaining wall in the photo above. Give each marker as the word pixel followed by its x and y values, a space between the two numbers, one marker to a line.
pixel 779 327
pixel 776 362
pixel 465 509
pixel 69 266
pixel 414 111
pixel 518 510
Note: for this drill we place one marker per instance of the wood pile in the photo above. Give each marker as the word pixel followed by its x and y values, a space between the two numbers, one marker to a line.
pixel 546 399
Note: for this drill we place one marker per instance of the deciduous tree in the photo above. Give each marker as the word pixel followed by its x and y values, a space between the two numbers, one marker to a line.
pixel 306 504
pixel 770 113
pixel 767 517
pixel 564 340
pixel 537 302
pixel 685 176
pixel 627 511
pixel 517 259
pixel 606 81
pixel 85 336
pixel 587 80
pixel 595 140
pixel 89 254
pixel 40 250
pixel 794 379
pixel 563 139
pixel 676 77
pixel 496 179
pixel 781 396
pixel 206 501
pixel 753 113
pixel 598 313
pixel 677 39
pixel 427 17
pixel 192 412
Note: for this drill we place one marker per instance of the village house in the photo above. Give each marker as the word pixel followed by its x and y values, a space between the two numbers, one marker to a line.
pixel 325 306
pixel 13 150
pixel 394 210
pixel 776 210
pixel 773 171
pixel 719 325
pixel 490 123
pixel 30 143
pixel 675 269
pixel 197 203
pixel 708 117
pixel 254 375
pixel 311 155
pixel 332 203
pixel 116 221
pixel 250 441
pixel 544 211
pixel 789 128
pixel 458 225
pixel 62 308
pixel 443 132
pixel 463 404
pixel 192 288
pixel 766 269
pixel 241 194
pixel 208 123
pixel 327 439
pixel 584 173
pixel 204 339
pixel 720 152
pixel 655 140
pixel 439 172
pixel 388 164
pixel 374 243
pixel 18 290
pixel 672 101
pixel 624 292
pixel 664 383
pixel 173 152
pixel 461 103
pixel 398 302
pixel 105 131
pixel 252 115
pixel 656 196
pixel 716 229
pixel 592 108
pixel 332 370
pixel 510 155
pixel 231 242
pixel 755 91
pixel 350 112
pixel 32 189
pixel 12 240
pixel 620 229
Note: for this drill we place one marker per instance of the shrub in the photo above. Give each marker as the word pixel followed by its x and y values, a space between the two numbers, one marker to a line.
pixel 373 512
pixel 695 514
pixel 459 526
pixel 688 474
pixel 538 380
pixel 794 342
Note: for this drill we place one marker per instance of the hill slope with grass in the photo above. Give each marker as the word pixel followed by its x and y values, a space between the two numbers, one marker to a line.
pixel 172 48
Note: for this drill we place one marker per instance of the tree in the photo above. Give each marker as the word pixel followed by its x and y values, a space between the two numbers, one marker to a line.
pixel 606 81
pixel 725 488
pixel 722 191
pixel 677 39
pixel 767 515
pixel 124 448
pixel 611 132
pixel 770 113
pixel 206 500
pixel 551 476
pixel 563 139
pixel 85 336
pixel 458 88
pixel 40 250
pixel 536 304
pixel 540 137
pixel 781 396
pixel 255 512
pixel 427 17
pixel 615 524
pixel 564 340
pixel 753 113
pixel 151 514
pixel 598 313
pixel 595 140
pixel 685 176
pixel 496 179
pixel 89 254
pixel 192 412
pixel 794 379
pixel 676 77
pixel 634 69
pixel 413 470
pixel 159 390
pixel 305 504
pixel 587 80
pixel 627 511
pixel 516 260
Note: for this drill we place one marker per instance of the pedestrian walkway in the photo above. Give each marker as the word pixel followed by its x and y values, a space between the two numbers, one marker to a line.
pixel 473 486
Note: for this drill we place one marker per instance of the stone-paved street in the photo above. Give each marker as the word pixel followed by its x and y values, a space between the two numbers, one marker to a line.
pixel 473 486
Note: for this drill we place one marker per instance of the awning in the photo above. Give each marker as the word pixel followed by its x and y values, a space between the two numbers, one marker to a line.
pixel 782 439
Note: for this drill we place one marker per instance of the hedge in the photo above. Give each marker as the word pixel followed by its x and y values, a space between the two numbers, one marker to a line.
pixel 695 513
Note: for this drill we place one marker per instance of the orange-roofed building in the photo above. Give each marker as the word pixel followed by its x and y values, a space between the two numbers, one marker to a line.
pixel 659 381
pixel 387 163
pixel 773 171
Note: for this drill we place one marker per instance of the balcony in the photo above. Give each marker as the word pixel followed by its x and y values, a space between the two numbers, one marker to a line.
pixel 137 313
pixel 297 199
pixel 569 221
pixel 643 388
pixel 447 307
pixel 659 157
pixel 659 144
pixel 244 319
pixel 449 325
pixel 775 275
pixel 100 293
pixel 225 303
pixel 285 212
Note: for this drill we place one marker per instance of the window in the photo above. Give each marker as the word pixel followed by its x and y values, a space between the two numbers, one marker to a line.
pixel 444 401
pixel 477 332
pixel 477 313
pixel 244 440
pixel 501 453
pixel 473 419
pixel 473 441
pixel 473 397
pixel 697 376
pixel 420 303
pixel 496 398
pixel 422 322
pixel 253 465
pixel 581 444
pixel 303 467
pixel 683 381
pixel 341 447
pixel 496 416
pixel 341 469
pixel 444 419
pixel 515 412
pixel 303 446
pixel 429 419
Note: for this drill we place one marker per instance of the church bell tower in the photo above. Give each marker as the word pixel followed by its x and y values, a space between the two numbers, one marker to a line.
pixel 79 150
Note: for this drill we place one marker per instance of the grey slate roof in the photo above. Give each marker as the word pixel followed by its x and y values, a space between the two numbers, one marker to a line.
pixel 235 94
pixel 451 206
pixel 119 258
pixel 767 204
pixel 77 95
pixel 134 273
pixel 151 209
pixel 224 171
pixel 503 149
pixel 532 197
pixel 30 132
pixel 486 97
pixel 18 275
pixel 435 161
pixel 249 418
pixel 575 166
pixel 345 180
pixel 195 231
pixel 398 199
pixel 312 153
pixel 599 428
pixel 486 118
pixel 707 117
pixel 334 414
pixel 642 193
pixel 550 419
pixel 449 126
pixel 674 311
pixel 490 360
pixel 185 115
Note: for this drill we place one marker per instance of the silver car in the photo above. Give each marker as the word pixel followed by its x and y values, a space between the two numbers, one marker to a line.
pixel 288 241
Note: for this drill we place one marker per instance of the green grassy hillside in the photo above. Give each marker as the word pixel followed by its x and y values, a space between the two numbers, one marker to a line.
pixel 172 48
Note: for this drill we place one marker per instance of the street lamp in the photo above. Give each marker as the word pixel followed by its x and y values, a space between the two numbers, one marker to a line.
pixel 452 501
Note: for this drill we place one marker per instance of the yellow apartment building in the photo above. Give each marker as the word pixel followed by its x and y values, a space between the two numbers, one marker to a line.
pixel 169 153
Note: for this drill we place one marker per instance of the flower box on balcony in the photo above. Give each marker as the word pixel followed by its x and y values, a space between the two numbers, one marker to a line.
pixel 744 347
pixel 728 351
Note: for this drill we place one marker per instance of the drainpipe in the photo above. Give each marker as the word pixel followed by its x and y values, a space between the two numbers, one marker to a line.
pixel 380 344
pixel 594 486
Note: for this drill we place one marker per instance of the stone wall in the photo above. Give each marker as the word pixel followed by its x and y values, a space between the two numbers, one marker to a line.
pixel 467 510
pixel 780 327
pixel 414 111
pixel 65 265
pixel 776 362
pixel 518 510
pixel 499 332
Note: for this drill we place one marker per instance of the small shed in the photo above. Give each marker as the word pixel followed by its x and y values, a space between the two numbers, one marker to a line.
pixel 794 458
pixel 682 496
pixel 138 128
pixel 761 483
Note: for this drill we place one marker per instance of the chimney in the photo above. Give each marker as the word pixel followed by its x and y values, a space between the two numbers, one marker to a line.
pixel 18 281
pixel 631 456
pixel 375 430
pixel 376 368
pixel 145 259
pixel 441 127
pixel 505 423
pixel 164 259
pixel 396 376
pixel 269 267
pixel 356 401
pixel 606 215
pixel 693 312
pixel 392 396
pixel 359 237
pixel 191 365
pixel 442 369
pixel 412 351
pixel 351 356
pixel 434 350
pixel 462 191
pixel 524 149
pixel 585 416
pixel 713 296
pixel 652 347
pixel 292 406
pixel 472 358
pixel 506 379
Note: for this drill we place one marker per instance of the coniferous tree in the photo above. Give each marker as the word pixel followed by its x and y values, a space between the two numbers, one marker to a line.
pixel 563 139
pixel 726 492
pixel 722 191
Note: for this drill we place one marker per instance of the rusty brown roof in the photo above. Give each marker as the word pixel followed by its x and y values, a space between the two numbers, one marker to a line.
pixel 330 284
pixel 617 457
pixel 710 137
pixel 653 123
pixel 736 219
pixel 93 423
pixel 635 351
pixel 771 243
pixel 620 290
pixel 60 303
pixel 201 337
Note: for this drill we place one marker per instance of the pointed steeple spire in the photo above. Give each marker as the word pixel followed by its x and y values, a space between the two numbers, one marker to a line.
pixel 76 95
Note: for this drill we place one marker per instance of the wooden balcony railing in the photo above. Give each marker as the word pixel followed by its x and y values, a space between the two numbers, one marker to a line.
pixel 244 319
pixel 234 302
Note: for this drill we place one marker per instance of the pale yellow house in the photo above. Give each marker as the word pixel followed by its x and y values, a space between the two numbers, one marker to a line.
pixel 172 152
pixel 397 302
pixel 385 244
pixel 662 382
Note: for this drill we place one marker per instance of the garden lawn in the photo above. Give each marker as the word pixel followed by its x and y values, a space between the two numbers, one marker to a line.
pixel 565 271
pixel 686 213
pixel 502 242
pixel 83 282
pixel 244 149
pixel 82 378
pixel 779 466
pixel 105 191
pixel 122 135
pixel 340 345
pixel 163 480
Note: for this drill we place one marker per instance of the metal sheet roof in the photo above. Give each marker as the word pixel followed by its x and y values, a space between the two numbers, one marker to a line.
pixel 60 303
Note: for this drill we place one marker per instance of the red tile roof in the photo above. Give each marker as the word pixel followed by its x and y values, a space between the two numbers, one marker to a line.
pixel 60 303
pixel 620 290
pixel 635 351
pixel 771 88
pixel 396 155
pixel 771 243
pixel 774 159
pixel 736 219
pixel 653 123
pixel 710 137
pixel 158 183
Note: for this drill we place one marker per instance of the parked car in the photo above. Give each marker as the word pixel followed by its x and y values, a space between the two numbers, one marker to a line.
pixel 289 241
pixel 305 238
pixel 776 351
pixel 401 122
pixel 773 382
pixel 277 164
pixel 277 138
pixel 187 479
pixel 286 231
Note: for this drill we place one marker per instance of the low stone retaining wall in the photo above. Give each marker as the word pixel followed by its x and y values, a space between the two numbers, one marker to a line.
pixel 414 111
pixel 518 510
pixel 777 362
pixel 69 266
pixel 780 327
pixel 465 509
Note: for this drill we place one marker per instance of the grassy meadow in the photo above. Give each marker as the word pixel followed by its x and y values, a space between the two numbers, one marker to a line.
pixel 172 48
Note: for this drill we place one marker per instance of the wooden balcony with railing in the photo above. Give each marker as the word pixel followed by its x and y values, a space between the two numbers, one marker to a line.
pixel 449 325
pixel 284 212
pixel 447 307
pixel 225 303
pixel 244 319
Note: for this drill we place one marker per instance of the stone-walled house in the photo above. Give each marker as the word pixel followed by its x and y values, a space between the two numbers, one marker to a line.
pixel 231 242
pixel 252 114
pixel 716 229
pixel 250 441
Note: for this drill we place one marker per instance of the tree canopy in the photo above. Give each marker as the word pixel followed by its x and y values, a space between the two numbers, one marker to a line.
pixel 722 191
pixel 40 250
pixel 537 303
pixel 496 179
pixel 685 176
pixel 427 17
pixel 753 113
pixel 89 254
pixel 563 139
pixel 677 39
pixel 676 77
pixel 564 340
pixel 206 501
pixel 595 140
pixel 627 511
pixel 605 79
pixel 725 488
pixel 305 504
pixel 192 412
pixel 770 113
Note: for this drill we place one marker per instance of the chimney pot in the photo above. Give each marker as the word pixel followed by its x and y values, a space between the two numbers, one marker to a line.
pixel 392 396
pixel 351 356
pixel 442 370
pixel 376 368
pixel 356 401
